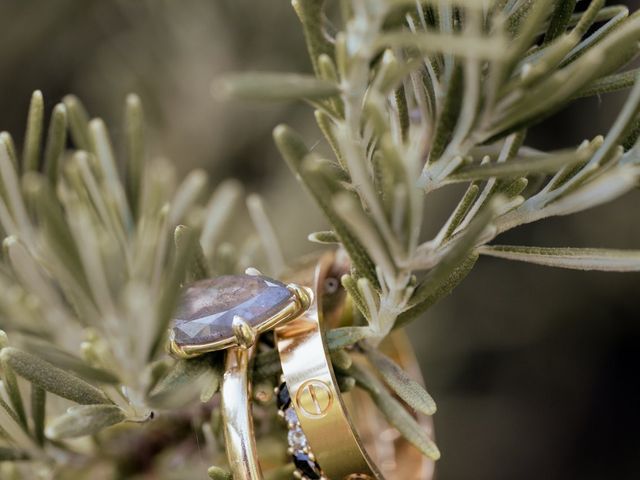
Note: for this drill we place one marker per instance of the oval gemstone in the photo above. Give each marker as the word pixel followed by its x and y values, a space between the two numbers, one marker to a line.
pixel 205 313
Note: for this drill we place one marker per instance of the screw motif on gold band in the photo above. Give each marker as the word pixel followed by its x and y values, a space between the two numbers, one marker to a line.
pixel 314 398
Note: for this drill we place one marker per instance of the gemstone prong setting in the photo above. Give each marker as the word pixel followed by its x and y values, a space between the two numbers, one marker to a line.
pixel 254 272
pixel 245 334
pixel 206 320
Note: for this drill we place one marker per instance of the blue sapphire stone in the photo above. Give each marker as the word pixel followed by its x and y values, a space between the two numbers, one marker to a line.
pixel 307 467
pixel 283 399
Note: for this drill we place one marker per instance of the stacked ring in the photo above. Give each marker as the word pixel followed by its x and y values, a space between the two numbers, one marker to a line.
pixel 315 395
pixel 229 313
pixel 339 451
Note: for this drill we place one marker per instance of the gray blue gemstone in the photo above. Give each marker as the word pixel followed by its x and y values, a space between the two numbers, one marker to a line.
pixel 207 307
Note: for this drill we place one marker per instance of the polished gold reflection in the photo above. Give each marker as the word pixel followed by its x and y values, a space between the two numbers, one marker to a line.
pixel 305 363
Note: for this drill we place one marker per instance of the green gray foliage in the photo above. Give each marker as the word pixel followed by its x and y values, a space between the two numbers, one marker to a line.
pixel 411 97
pixel 84 420
pixel 472 78
pixel 48 377
pixel 90 277
pixel 400 382
pixel 395 412
pixel 436 93
pixel 217 473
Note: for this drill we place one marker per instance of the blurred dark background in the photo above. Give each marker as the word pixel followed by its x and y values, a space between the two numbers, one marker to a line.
pixel 535 370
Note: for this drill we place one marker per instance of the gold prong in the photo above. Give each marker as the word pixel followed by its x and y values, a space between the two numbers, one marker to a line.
pixel 303 295
pixel 297 474
pixel 290 451
pixel 244 333
pixel 254 272
pixel 176 350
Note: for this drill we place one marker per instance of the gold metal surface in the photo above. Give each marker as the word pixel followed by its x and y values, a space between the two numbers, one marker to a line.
pixel 299 303
pixel 394 455
pixel 314 398
pixel 245 334
pixel 236 413
pixel 315 395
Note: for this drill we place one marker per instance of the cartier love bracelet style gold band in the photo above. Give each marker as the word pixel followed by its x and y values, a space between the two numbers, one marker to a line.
pixel 229 313
pixel 314 392
pixel 394 457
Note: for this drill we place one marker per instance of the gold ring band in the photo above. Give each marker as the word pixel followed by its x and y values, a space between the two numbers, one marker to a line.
pixel 315 395
pixel 236 413
pixel 335 449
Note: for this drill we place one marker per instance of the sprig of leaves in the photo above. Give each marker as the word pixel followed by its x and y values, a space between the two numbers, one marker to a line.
pixel 412 97
pixel 408 103
pixel 95 255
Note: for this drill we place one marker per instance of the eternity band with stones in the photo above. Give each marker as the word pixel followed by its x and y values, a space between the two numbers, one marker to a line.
pixel 304 461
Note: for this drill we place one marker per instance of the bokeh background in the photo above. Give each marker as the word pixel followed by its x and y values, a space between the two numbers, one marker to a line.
pixel 535 370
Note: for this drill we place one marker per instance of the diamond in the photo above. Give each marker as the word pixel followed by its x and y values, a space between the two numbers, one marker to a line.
pixel 207 308
pixel 296 438
pixel 290 416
